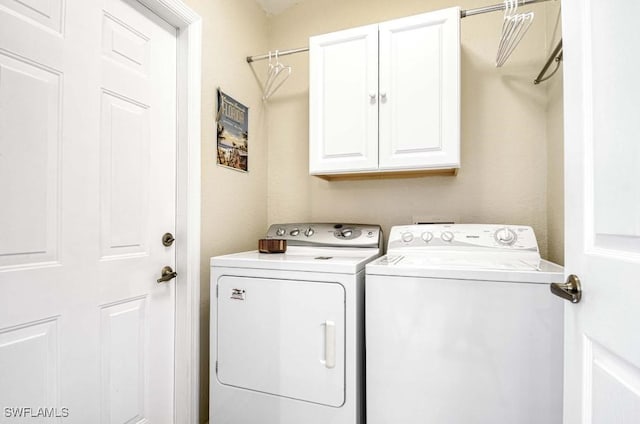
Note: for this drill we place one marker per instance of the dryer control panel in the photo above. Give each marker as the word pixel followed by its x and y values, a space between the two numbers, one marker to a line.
pixel 327 234
pixel 476 237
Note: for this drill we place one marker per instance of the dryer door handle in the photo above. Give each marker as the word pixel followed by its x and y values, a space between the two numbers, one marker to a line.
pixel 329 344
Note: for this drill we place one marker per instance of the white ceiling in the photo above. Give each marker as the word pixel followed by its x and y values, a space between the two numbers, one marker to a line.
pixel 273 7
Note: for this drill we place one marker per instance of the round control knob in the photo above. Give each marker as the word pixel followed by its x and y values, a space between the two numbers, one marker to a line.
pixel 407 237
pixel 506 236
pixel 427 236
pixel 309 232
pixel 280 232
pixel 446 236
pixel 294 232
pixel 346 233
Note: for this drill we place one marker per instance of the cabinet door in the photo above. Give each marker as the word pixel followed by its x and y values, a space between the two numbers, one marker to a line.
pixel 420 91
pixel 343 101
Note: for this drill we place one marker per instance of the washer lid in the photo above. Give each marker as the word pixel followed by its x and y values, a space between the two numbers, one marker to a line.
pixel 523 261
pixel 487 267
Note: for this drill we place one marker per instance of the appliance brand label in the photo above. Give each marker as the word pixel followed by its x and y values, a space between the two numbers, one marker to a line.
pixel 237 294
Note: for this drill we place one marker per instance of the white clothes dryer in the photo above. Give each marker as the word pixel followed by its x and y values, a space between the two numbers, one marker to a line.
pixel 461 328
pixel 287 329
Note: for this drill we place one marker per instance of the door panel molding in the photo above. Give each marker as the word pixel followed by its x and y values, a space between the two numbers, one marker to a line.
pixel 30 166
pixel 609 380
pixel 30 362
pixel 122 340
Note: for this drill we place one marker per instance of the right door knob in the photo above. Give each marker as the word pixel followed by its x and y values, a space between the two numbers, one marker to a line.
pixel 571 290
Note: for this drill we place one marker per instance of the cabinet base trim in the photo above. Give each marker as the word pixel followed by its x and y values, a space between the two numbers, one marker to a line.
pixel 388 174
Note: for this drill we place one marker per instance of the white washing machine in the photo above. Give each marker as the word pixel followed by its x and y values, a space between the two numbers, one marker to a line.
pixel 287 329
pixel 461 328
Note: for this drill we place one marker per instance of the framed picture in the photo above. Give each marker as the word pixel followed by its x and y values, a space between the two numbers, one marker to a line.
pixel 233 133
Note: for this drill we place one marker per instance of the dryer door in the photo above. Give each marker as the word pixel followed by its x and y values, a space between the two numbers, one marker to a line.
pixel 282 337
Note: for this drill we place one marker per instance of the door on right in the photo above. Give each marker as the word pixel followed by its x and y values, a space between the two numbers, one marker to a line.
pixel 602 198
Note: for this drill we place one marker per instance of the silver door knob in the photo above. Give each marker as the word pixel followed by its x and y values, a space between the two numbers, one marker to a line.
pixel 571 290
pixel 167 274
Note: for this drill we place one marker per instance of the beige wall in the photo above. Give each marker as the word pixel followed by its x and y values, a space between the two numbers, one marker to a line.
pixel 503 177
pixel 234 213
pixel 555 139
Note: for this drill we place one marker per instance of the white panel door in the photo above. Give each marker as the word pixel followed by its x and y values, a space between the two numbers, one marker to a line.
pixel 282 337
pixel 343 101
pixel 88 180
pixel 602 189
pixel 420 91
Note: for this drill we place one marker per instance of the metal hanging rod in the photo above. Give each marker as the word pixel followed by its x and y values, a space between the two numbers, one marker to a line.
pixel 495 8
pixel 463 14
pixel 556 56
pixel 280 53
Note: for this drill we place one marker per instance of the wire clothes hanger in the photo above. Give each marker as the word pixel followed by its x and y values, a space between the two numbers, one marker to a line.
pixel 277 74
pixel 514 27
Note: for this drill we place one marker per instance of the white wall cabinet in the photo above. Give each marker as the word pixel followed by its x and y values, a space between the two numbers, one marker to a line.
pixel 386 98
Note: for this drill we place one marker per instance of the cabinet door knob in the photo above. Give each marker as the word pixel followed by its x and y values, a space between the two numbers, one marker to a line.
pixel 383 97
pixel 372 97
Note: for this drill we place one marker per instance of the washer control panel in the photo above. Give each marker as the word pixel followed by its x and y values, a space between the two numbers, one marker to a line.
pixel 463 237
pixel 327 234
